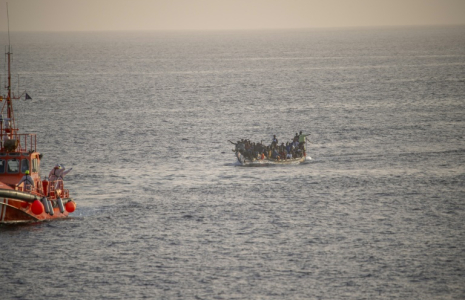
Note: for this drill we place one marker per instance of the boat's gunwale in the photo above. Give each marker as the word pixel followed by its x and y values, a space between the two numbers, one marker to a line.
pixel 20 195
pixel 269 162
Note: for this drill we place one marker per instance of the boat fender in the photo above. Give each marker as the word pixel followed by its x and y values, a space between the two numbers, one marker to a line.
pixel 37 208
pixel 70 206
pixel 60 205
pixel 45 204
pixel 51 207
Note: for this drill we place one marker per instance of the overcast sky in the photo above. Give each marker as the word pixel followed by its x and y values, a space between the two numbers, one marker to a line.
pixel 98 15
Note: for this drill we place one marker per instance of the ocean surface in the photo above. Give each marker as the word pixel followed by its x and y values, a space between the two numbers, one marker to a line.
pixel 165 212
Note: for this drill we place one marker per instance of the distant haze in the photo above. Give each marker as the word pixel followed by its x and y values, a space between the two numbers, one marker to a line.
pixel 103 15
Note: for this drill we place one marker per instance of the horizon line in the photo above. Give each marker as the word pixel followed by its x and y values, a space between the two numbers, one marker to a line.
pixel 246 29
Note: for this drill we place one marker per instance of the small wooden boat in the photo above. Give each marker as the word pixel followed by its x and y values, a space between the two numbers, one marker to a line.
pixel 40 201
pixel 264 161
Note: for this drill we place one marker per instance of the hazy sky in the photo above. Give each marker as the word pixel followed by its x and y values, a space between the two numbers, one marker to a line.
pixel 91 15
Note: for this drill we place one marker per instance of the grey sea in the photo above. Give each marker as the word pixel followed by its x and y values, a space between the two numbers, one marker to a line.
pixel 163 209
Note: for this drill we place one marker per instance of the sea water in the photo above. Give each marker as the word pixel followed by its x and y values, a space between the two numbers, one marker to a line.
pixel 163 210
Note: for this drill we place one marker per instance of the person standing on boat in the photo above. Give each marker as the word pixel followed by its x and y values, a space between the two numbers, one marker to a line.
pixel 57 174
pixel 296 138
pixel 302 140
pixel 302 143
pixel 62 171
pixel 54 173
pixel 28 182
pixel 274 141
pixel 240 146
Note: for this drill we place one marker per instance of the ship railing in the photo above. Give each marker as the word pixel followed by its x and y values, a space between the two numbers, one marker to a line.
pixel 36 190
pixel 28 188
pixel 27 142
pixel 56 189
pixel 14 142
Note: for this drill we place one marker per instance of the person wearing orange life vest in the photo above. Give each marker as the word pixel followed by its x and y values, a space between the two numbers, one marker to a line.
pixel 28 182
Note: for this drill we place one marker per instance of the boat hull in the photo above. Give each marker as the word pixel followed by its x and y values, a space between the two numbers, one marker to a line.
pixel 268 162
pixel 13 211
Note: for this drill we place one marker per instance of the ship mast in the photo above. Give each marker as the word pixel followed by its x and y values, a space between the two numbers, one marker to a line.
pixel 9 97
pixel 7 126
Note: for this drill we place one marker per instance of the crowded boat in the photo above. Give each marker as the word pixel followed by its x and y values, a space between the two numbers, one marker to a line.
pixel 249 152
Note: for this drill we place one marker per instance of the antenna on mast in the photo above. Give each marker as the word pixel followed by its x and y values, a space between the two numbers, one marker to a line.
pixel 8 21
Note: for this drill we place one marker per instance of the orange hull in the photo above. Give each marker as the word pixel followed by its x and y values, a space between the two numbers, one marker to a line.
pixel 20 211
